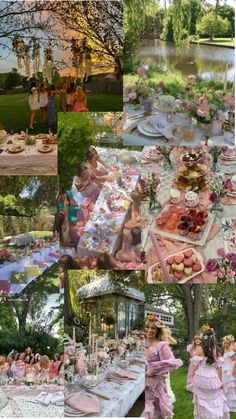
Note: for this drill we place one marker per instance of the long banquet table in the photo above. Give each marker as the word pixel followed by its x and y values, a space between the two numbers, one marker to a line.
pixel 122 397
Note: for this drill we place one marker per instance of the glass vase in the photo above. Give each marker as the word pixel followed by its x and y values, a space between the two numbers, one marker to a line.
pixel 217 206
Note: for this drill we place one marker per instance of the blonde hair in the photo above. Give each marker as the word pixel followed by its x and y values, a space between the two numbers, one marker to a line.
pixel 79 92
pixel 44 362
pixel 198 336
pixel 2 359
pixel 228 339
pixel 160 329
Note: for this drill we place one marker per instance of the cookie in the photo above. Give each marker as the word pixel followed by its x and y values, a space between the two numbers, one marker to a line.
pixel 188 271
pixel 178 275
pixel 197 266
pixel 188 253
pixel 179 258
pixel 194 258
pixel 170 260
pixel 188 262
pixel 179 267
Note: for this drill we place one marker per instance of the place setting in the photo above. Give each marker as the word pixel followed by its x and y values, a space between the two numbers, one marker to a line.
pixel 189 208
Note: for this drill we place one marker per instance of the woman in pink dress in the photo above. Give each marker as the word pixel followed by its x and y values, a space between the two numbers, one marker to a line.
pixel 229 371
pixel 79 101
pixel 208 395
pixel 159 362
pixel 194 349
pixel 54 366
pixel 18 368
pixel 4 369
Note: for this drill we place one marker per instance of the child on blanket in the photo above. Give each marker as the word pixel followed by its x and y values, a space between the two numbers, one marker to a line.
pixel 84 183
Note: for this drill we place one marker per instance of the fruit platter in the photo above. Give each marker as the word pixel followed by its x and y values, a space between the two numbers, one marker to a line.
pixel 182 266
pixel 184 224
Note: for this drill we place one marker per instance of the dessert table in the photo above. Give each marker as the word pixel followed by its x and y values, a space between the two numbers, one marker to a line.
pixel 102 231
pixel 22 401
pixel 36 263
pixel 217 237
pixel 121 397
pixel 30 161
pixel 169 135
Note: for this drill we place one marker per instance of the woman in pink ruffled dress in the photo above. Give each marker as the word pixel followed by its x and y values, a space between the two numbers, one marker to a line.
pixel 229 371
pixel 159 362
pixel 208 395
pixel 194 349
pixel 18 368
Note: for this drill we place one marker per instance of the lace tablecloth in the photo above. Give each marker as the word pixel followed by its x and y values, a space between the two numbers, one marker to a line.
pixel 45 258
pixel 122 396
pixel 20 403
pixel 28 162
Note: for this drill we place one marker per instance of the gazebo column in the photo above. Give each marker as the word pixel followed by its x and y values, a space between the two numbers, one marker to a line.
pixel 98 314
pixel 116 314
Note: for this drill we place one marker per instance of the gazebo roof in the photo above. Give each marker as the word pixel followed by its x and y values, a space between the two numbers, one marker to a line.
pixel 103 286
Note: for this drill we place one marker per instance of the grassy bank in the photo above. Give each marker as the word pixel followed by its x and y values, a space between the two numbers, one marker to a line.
pixel 183 407
pixel 15 113
pixel 225 42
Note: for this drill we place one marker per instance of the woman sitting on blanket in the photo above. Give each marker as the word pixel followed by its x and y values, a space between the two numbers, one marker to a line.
pixel 85 184
pixel 97 172
pixel 76 216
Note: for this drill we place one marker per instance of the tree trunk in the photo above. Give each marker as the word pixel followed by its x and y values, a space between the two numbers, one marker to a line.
pixel 192 307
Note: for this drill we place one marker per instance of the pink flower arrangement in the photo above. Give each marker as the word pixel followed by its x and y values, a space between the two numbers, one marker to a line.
pixel 141 70
pixel 70 350
pixel 5 255
pixel 224 266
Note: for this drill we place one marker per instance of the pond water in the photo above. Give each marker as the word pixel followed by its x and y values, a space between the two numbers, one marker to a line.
pixel 206 61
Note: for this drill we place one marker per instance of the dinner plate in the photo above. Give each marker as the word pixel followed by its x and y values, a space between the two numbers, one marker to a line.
pixel 146 129
pixel 229 158
pixel 45 149
pixel 15 149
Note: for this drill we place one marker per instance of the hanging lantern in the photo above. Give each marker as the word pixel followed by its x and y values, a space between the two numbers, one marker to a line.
pixel 27 61
pixel 36 56
pixel 48 63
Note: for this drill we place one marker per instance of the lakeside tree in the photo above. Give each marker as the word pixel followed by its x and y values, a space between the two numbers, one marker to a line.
pixel 212 25
pixel 13 79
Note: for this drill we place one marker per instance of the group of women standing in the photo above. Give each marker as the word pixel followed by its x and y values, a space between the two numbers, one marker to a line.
pixel 211 376
pixel 71 99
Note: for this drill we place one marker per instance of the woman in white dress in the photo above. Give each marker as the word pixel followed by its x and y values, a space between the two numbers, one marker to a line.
pixel 43 102
pixel 33 103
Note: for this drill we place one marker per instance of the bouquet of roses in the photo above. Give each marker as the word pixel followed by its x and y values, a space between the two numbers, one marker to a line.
pixel 219 187
pixel 224 266
pixel 138 90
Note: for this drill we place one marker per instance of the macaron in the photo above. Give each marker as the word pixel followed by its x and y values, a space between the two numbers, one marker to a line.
pixel 188 253
pixel 170 260
pixel 188 271
pixel 178 275
pixel 194 258
pixel 188 262
pixel 179 267
pixel 197 266
pixel 179 258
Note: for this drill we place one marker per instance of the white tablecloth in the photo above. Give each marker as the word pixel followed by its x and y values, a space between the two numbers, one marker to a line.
pixel 8 268
pixel 122 397
pixel 28 162
pixel 23 407
pixel 21 239
pixel 168 176
pixel 132 136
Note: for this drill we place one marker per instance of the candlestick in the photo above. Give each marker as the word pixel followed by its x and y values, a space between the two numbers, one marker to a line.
pixel 96 351
pixel 160 257
pixel 116 334
pixel 233 87
pixel 92 345
pixel 126 332
pixel 74 340
pixel 90 330
pixel 225 77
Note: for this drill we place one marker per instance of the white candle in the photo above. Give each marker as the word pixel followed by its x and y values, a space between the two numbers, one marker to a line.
pixel 160 257
pixel 90 331
pixel 233 87
pixel 74 340
pixel 225 77
pixel 92 345
pixel 116 334
pixel 96 351
pixel 126 332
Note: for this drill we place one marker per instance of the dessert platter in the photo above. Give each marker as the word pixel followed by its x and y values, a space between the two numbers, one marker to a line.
pixel 192 177
pixel 182 266
pixel 184 224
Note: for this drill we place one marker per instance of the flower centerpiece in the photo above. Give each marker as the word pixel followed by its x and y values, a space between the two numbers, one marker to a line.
pixel 224 267
pixel 165 152
pixel 215 152
pixel 149 188
pixel 136 92
pixel 219 187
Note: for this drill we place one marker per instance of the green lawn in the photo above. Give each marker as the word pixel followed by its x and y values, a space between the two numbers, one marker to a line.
pixel 217 41
pixel 14 110
pixel 183 407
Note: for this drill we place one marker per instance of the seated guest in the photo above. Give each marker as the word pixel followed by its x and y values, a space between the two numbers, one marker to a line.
pixel 76 217
pixel 28 354
pixel 4 369
pixel 84 183
pixel 18 368
pixel 95 167
pixel 54 366
pixel 93 151
pixel 67 245
pixel 44 369
pixel 67 262
pixel 31 371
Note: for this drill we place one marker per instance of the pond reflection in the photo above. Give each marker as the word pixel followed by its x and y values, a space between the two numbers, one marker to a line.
pixel 206 61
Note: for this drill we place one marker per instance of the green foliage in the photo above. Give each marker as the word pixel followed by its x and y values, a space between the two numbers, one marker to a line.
pixel 13 79
pixel 109 320
pixel 138 324
pixel 228 12
pixel 76 137
pixel 212 25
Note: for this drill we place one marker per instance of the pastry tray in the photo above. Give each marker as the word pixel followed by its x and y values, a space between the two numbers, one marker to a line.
pixel 182 281
pixel 185 239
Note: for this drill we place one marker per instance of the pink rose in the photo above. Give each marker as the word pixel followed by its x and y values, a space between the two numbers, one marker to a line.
pixel 141 70
pixel 161 85
pixel 132 96
pixel 220 274
pixel 201 112
pixel 191 78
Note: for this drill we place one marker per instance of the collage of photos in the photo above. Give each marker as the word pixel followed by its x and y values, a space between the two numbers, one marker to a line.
pixel 117 209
